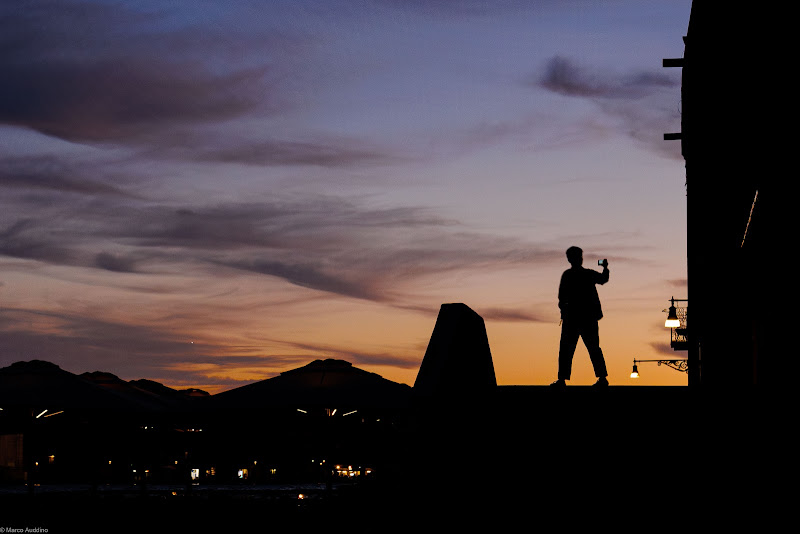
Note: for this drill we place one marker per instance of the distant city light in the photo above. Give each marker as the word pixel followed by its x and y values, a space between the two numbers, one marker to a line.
pixel 350 472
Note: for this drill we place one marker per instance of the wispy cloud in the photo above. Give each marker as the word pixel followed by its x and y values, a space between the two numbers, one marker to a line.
pixel 170 349
pixel 360 357
pixel 92 72
pixel 113 76
pixel 23 239
pixel 458 8
pixel 566 77
pixel 87 342
pixel 513 315
pixel 49 173
pixel 646 103
pixel 329 244
pixel 115 262
pixel 330 151
pixel 82 342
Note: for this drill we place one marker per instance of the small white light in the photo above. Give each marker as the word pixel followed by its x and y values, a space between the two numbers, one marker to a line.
pixel 672 316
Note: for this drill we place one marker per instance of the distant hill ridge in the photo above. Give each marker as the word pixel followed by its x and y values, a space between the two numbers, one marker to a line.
pixel 320 382
pixel 44 374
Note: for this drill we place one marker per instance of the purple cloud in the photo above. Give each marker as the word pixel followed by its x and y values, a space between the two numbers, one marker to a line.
pixel 645 103
pixel 566 77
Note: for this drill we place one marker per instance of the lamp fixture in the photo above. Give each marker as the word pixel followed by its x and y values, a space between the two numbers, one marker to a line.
pixel 681 365
pixel 672 316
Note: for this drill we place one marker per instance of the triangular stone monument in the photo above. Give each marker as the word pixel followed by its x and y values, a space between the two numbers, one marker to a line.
pixel 458 359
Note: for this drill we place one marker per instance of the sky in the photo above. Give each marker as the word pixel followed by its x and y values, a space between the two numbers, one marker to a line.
pixel 208 193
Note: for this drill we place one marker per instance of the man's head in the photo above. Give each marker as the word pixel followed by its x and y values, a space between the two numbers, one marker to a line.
pixel 575 256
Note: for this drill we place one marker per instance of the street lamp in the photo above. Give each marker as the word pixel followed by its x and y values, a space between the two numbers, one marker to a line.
pixel 635 372
pixel 681 365
pixel 672 316
pixel 677 323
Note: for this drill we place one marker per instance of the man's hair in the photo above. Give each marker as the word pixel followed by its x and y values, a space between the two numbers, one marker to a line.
pixel 574 252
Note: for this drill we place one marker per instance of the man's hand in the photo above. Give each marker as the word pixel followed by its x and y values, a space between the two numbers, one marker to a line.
pixel 604 263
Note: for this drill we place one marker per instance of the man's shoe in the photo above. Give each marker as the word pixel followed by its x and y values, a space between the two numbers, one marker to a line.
pixel 558 384
pixel 602 382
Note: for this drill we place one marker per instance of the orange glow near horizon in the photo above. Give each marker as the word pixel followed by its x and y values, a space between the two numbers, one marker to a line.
pixel 236 338
pixel 229 220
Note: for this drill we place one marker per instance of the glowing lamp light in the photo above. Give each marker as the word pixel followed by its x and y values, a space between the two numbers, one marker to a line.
pixel 635 372
pixel 672 319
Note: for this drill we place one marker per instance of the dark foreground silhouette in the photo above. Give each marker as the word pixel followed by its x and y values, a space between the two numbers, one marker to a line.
pixel 439 455
pixel 580 313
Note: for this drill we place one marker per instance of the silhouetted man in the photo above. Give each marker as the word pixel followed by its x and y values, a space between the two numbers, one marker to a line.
pixel 580 311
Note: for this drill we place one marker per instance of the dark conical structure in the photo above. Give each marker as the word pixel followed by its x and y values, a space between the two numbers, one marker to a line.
pixel 458 359
pixel 327 382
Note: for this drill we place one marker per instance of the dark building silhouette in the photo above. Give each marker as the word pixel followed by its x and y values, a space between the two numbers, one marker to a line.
pixel 458 359
pixel 372 449
pixel 56 426
pixel 734 138
pixel 97 429
pixel 302 424
pixel 326 385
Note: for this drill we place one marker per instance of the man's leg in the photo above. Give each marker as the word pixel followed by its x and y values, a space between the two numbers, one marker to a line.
pixel 569 340
pixel 591 338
